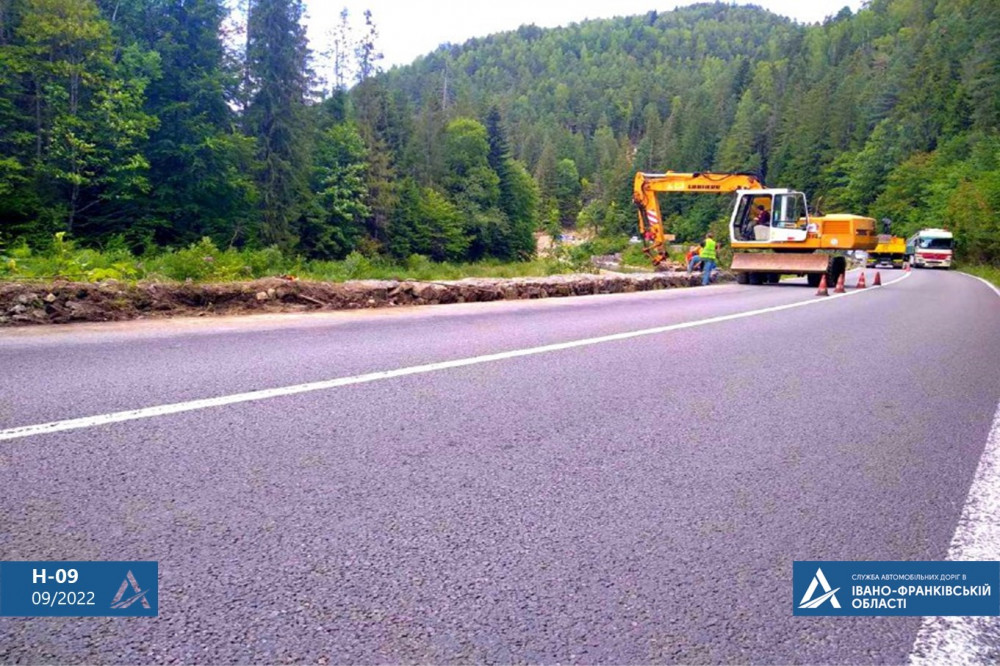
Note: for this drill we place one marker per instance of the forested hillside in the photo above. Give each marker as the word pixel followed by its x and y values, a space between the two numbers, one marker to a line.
pixel 153 123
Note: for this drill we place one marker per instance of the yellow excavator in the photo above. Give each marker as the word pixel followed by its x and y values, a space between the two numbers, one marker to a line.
pixel 770 229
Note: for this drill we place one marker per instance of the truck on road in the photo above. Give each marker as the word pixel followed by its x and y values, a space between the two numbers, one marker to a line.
pixel 930 248
pixel 890 251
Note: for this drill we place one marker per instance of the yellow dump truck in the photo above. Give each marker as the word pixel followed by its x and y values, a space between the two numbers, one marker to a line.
pixel 890 252
pixel 770 230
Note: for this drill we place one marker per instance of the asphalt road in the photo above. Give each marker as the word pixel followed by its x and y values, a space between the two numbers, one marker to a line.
pixel 632 500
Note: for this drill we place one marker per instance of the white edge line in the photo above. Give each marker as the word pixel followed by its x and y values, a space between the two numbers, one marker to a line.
pixel 265 394
pixel 960 640
pixel 984 281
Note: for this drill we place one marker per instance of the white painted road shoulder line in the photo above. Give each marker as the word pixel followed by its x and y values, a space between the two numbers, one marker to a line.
pixel 970 640
pixel 986 282
pixel 266 394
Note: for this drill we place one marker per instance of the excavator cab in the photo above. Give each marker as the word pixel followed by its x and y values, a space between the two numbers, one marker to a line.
pixel 769 216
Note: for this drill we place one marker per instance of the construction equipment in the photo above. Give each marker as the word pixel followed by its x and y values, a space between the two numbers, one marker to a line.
pixel 772 225
pixel 647 185
pixel 890 251
pixel 930 248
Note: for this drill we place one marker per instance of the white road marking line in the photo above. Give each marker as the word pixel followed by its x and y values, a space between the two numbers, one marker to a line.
pixel 265 394
pixel 986 282
pixel 965 640
pixel 961 640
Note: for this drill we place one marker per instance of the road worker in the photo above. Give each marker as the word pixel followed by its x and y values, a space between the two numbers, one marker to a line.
pixel 708 258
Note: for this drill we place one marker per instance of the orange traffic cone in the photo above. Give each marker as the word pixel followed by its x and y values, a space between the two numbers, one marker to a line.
pixel 878 280
pixel 840 285
pixel 861 281
pixel 822 291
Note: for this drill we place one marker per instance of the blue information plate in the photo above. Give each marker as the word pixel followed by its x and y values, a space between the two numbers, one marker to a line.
pixel 896 588
pixel 79 589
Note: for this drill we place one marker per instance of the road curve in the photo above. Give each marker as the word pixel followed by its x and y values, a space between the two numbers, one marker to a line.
pixel 632 500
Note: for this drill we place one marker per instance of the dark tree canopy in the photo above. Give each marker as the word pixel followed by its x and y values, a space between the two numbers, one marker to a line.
pixel 155 122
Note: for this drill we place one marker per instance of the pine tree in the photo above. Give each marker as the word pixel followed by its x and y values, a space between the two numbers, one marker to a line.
pixel 279 78
pixel 518 193
pixel 374 118
pixel 85 105
pixel 567 192
pixel 335 224
pixel 198 163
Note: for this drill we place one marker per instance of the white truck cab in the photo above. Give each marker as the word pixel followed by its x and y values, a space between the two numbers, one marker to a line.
pixel 930 248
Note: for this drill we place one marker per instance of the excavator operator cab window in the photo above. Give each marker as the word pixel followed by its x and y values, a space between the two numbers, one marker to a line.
pixel 753 218
pixel 788 211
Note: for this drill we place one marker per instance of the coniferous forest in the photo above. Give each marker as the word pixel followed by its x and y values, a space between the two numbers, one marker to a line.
pixel 153 124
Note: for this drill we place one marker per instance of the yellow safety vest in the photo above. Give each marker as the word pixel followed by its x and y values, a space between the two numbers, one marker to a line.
pixel 708 252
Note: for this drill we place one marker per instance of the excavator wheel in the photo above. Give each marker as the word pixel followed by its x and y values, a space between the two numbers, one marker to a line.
pixel 834 269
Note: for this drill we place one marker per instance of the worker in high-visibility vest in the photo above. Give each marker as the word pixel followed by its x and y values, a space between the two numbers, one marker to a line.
pixel 708 258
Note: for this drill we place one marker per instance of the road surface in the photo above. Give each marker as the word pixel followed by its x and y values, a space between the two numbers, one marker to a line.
pixel 613 479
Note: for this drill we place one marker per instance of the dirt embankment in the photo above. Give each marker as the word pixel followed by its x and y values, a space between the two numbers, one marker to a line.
pixel 23 303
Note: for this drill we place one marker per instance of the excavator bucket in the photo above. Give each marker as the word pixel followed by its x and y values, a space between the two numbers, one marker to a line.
pixel 780 262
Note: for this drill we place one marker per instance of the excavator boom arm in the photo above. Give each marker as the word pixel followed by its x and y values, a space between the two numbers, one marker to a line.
pixel 647 185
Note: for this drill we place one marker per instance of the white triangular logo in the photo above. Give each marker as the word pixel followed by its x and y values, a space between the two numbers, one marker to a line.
pixel 140 594
pixel 819 580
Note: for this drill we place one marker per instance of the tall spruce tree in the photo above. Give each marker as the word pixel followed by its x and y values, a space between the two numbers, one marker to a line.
pixel 374 119
pixel 518 192
pixel 18 200
pixel 197 160
pixel 279 80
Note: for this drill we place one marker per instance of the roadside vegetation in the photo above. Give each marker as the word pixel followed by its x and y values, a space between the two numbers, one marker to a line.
pixel 139 125
pixel 203 261
pixel 985 271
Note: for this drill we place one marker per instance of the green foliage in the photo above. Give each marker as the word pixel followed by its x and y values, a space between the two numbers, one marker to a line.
pixel 519 201
pixel 336 222
pixel 724 252
pixel 427 223
pixel 990 273
pixel 201 168
pixel 277 65
pixel 567 191
pixel 62 259
pixel 205 262
pixel 201 261
pixel 135 120
pixel 604 245
pixel 634 256
pixel 72 119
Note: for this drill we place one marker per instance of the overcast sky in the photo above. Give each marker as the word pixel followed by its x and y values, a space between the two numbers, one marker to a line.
pixel 408 29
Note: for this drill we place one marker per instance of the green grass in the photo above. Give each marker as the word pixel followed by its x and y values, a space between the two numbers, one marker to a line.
pixel 985 271
pixel 204 262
